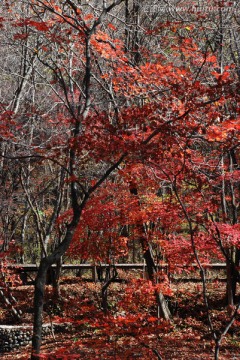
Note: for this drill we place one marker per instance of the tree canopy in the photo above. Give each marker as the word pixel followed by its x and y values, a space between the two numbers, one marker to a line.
pixel 119 130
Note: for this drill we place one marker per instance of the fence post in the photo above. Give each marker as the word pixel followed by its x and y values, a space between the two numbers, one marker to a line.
pixel 94 273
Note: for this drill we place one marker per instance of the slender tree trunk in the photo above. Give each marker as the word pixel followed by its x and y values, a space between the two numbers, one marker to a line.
pixel 217 349
pixel 234 275
pixel 230 282
pixel 108 280
pixel 57 273
pixel 163 309
pixel 45 264
pixel 38 308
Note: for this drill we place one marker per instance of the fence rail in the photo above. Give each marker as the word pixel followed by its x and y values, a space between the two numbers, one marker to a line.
pixel 34 267
pixel 24 270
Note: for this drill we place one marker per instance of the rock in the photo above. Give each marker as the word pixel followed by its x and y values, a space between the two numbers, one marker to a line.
pixel 14 336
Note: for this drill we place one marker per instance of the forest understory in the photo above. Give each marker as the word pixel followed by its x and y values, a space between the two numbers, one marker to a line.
pixel 130 329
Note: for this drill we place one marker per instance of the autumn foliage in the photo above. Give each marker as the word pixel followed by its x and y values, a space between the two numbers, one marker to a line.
pixel 120 142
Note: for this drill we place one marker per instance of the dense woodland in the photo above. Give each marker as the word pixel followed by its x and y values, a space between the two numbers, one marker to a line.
pixel 119 129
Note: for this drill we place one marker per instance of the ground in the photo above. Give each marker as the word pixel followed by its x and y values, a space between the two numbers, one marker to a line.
pixel 130 329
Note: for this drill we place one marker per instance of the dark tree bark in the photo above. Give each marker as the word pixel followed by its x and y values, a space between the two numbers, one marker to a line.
pixel 109 278
pixel 45 264
pixel 163 309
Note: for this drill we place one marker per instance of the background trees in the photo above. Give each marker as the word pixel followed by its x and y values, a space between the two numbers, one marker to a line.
pixel 120 135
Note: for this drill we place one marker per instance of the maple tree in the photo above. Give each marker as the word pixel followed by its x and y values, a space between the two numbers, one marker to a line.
pixel 133 145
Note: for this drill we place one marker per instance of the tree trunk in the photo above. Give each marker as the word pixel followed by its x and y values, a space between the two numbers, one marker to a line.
pixel 38 307
pixel 163 309
pixel 230 288
pixel 233 276
pixel 40 283
pixel 108 280
pixel 232 272
pixel 57 273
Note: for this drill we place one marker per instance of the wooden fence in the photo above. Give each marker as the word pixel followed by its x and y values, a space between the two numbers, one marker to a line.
pixel 24 270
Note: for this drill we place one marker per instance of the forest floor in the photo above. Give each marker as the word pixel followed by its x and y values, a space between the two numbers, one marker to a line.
pixel 130 329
